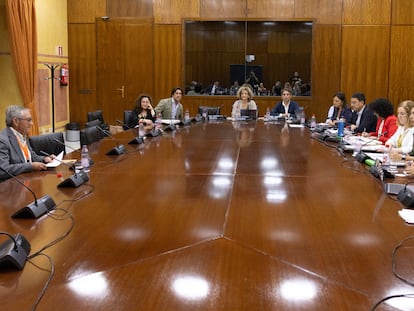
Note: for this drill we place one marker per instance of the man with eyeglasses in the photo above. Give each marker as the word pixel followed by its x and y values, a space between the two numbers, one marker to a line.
pixel 16 154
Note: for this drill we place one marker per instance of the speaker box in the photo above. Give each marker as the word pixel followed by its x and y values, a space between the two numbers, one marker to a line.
pixel 120 149
pixel 75 180
pixel 406 196
pixel 361 157
pixel 33 210
pixel 136 141
pixel 14 255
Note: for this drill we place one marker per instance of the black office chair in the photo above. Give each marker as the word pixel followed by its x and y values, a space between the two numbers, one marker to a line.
pixel 89 135
pixel 47 143
pixel 128 119
pixel 95 115
pixel 94 123
pixel 92 118
pixel 210 110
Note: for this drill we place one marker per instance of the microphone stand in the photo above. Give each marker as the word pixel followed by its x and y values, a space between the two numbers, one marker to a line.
pixel 14 251
pixel 75 180
pixel 74 149
pixel 118 149
pixel 137 140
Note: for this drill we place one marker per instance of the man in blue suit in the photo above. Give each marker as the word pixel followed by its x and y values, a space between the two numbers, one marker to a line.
pixel 286 107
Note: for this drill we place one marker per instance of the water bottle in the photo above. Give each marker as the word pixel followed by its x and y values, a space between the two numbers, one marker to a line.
pixel 141 130
pixel 85 158
pixel 205 113
pixel 341 126
pixel 267 113
pixel 158 121
pixel 313 123
pixel 386 157
pixel 302 116
pixel 187 115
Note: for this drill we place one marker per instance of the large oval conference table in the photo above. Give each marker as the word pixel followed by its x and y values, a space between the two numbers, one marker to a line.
pixel 217 215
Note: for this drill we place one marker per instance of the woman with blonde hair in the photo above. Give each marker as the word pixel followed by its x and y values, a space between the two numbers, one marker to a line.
pixel 402 140
pixel 244 102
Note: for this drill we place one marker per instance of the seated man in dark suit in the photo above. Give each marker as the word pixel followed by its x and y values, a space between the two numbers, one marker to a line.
pixel 286 107
pixel 363 118
pixel 16 155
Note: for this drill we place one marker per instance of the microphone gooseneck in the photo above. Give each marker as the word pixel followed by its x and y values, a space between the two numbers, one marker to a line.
pixel 63 144
pixel 119 149
pixel 71 166
pixel 20 182
pixel 105 132
pixel 124 124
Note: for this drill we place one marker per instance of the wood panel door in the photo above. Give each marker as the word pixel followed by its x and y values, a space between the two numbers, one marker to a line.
pixel 124 64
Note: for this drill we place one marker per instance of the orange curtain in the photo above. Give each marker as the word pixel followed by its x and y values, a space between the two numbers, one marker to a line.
pixel 21 22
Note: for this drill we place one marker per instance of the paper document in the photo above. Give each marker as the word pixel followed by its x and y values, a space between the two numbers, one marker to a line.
pixel 407 215
pixel 169 121
pixel 57 161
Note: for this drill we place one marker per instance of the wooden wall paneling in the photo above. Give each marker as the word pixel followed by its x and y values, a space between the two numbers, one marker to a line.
pixel 402 12
pixel 271 9
pixel 235 41
pixel 278 68
pixel 326 68
pixel 168 66
pixel 110 67
pixel 85 11
pixel 366 12
pixel 323 11
pixel 43 105
pixel 61 104
pixel 172 11
pixel 221 9
pixel 82 70
pixel 130 8
pixel 365 60
pixel 139 60
pixel 401 64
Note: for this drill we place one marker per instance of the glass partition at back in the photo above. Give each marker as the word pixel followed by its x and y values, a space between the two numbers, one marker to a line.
pixel 268 55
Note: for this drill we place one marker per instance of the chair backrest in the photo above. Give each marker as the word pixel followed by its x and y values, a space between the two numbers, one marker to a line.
pixel 94 123
pixel 94 115
pixel 210 110
pixel 128 119
pixel 89 135
pixel 47 143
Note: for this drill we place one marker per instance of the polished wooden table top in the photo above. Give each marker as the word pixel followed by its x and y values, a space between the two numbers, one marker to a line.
pixel 213 216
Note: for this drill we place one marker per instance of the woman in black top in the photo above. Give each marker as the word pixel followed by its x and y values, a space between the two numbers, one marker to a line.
pixel 143 112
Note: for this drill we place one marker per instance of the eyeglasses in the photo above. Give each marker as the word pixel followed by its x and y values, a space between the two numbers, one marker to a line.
pixel 27 119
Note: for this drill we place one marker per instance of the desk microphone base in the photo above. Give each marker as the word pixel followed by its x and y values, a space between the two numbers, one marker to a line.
pixel 33 210
pixel 14 255
pixel 120 149
pixel 75 180
pixel 136 141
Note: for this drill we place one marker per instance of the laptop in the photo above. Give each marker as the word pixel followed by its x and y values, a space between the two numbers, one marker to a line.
pixel 251 114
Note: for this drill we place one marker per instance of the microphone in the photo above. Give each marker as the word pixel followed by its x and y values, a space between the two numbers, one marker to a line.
pixel 125 125
pixel 171 127
pixel 75 180
pixel 14 252
pixel 74 149
pixel 136 140
pixel 118 149
pixel 361 156
pixel 35 209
